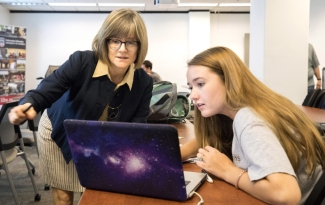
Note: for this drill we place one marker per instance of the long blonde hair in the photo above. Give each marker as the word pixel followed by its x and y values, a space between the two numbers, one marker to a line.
pixel 297 134
pixel 121 23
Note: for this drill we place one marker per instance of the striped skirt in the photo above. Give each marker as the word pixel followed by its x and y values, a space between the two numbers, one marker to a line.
pixel 56 172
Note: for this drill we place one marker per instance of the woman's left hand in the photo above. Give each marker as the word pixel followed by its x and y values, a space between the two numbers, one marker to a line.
pixel 214 161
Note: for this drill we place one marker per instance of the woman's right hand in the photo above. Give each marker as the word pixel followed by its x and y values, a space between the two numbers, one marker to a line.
pixel 17 115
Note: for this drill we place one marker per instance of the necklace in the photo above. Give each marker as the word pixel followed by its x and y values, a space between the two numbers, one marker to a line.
pixel 113 112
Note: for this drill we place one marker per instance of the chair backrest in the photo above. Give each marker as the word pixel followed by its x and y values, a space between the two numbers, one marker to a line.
pixel 317 195
pixel 320 100
pixel 51 69
pixel 9 133
pixel 311 97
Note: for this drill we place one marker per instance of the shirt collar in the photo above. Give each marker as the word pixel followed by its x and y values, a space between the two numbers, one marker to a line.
pixel 102 69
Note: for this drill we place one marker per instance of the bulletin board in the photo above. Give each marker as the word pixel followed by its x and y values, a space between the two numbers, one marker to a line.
pixel 12 63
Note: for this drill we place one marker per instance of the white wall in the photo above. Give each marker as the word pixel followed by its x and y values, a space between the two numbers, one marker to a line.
pixel 199 32
pixel 257 34
pixel 284 46
pixel 168 46
pixel 51 38
pixel 317 29
pixel 229 30
pixel 4 16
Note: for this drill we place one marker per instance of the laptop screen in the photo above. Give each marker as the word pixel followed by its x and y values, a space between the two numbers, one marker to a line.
pixel 132 158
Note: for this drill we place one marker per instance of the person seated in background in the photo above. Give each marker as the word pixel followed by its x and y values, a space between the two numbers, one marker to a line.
pixel 147 66
pixel 313 69
pixel 103 84
pixel 278 153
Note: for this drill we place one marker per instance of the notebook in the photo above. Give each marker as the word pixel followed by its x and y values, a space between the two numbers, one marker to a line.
pixel 131 158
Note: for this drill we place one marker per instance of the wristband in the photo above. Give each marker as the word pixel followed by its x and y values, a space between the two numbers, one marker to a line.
pixel 237 180
pixel 318 78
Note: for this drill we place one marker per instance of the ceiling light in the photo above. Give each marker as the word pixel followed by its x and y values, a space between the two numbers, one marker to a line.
pixel 198 4
pixel 121 4
pixel 234 4
pixel 27 4
pixel 72 4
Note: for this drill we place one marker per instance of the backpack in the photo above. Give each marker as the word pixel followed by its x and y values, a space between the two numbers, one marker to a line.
pixel 166 105
pixel 180 110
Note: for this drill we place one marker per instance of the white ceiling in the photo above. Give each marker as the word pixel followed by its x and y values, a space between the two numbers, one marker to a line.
pixel 149 6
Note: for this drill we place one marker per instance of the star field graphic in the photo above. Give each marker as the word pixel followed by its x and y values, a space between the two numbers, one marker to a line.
pixel 136 160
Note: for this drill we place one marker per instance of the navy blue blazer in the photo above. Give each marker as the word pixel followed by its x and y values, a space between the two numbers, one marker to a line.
pixel 71 93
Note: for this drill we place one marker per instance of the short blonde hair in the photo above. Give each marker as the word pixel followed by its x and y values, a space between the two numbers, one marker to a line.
pixel 121 23
pixel 243 89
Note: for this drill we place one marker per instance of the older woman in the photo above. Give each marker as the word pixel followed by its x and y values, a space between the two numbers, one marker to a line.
pixel 102 84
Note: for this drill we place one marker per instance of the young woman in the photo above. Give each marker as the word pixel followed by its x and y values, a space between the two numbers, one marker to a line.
pixel 102 84
pixel 277 151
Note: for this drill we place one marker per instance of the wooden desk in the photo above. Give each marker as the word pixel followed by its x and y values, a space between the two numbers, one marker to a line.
pixel 185 130
pixel 316 114
pixel 219 192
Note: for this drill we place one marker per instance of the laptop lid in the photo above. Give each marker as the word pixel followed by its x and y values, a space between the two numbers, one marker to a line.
pixel 131 158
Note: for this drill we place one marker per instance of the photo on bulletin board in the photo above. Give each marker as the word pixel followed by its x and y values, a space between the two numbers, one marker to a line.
pixel 12 62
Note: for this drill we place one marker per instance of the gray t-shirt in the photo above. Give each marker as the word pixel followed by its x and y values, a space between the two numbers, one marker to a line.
pixel 312 64
pixel 256 148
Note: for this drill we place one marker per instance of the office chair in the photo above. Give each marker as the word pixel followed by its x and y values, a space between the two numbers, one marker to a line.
pixel 49 71
pixel 311 97
pixel 320 100
pixel 317 195
pixel 10 135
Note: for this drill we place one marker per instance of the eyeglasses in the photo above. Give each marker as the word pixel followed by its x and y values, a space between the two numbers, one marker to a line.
pixel 116 44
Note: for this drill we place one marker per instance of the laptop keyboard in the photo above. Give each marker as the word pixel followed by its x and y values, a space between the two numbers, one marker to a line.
pixel 187 182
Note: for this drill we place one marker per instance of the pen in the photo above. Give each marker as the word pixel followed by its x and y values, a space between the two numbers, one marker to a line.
pixel 27 108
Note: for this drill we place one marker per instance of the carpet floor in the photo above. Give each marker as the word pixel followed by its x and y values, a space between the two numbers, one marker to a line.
pixel 23 183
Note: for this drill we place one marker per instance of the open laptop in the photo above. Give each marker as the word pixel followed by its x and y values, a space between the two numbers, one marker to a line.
pixel 131 158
